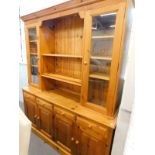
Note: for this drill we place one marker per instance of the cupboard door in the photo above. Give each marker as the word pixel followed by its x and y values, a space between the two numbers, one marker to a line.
pixel 91 138
pixel 102 56
pixel 30 108
pixel 64 129
pixel 45 117
pixel 89 145
pixel 33 54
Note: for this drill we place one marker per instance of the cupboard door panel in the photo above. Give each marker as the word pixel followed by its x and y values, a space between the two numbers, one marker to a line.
pixel 29 97
pixel 91 137
pixel 92 128
pixel 31 111
pixel 45 117
pixel 96 146
pixel 64 128
pixel 45 121
pixel 63 131
pixel 89 144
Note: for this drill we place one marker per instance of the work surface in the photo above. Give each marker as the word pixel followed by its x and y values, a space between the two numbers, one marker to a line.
pixel 56 98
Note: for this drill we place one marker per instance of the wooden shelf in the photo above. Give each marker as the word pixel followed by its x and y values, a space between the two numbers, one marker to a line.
pixel 101 58
pixel 99 76
pixel 62 78
pixel 33 41
pixel 34 65
pixel 33 53
pixel 62 55
pixel 103 37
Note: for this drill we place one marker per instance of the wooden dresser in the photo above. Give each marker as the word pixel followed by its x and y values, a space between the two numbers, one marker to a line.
pixel 74 59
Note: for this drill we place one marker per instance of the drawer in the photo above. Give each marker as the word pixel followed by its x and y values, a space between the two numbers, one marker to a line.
pixel 63 113
pixel 28 97
pixel 92 128
pixel 44 103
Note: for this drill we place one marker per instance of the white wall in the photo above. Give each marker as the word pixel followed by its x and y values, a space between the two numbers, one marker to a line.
pixel 29 6
pixel 125 111
pixel 23 79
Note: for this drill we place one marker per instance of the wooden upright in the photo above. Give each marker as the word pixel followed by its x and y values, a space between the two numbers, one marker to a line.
pixel 74 59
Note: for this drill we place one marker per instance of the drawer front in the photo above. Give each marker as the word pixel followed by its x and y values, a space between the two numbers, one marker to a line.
pixel 44 103
pixel 64 113
pixel 92 128
pixel 28 97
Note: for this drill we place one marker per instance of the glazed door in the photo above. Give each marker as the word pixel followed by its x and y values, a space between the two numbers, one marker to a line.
pixel 102 56
pixel 64 128
pixel 45 117
pixel 90 145
pixel 33 54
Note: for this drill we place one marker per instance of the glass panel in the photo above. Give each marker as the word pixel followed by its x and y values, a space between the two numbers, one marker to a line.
pixel 33 40
pixel 100 67
pixel 33 59
pixel 97 91
pixel 103 27
pixel 34 75
pixel 32 34
pixel 33 47
pixel 33 55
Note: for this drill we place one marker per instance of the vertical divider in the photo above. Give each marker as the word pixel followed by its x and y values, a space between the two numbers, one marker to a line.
pixel 86 57
pixel 39 52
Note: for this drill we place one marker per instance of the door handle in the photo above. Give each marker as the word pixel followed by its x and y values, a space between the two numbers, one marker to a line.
pixel 85 63
pixel 38 121
pixel 72 139
pixel 35 116
pixel 76 142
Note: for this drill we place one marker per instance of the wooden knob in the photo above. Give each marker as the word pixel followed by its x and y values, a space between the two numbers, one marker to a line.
pixel 85 62
pixel 35 116
pixel 38 118
pixel 89 126
pixel 72 139
pixel 76 142
pixel 63 113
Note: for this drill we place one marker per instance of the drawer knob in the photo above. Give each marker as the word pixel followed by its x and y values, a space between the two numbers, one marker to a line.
pixel 72 139
pixel 89 126
pixel 63 113
pixel 76 142
pixel 85 62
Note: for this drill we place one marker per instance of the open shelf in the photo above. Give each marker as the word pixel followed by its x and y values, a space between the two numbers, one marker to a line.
pixel 62 78
pixel 101 58
pixel 100 76
pixel 62 55
pixel 65 93
pixel 103 37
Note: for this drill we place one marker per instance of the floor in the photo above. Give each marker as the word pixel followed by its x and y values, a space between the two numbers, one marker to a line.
pixel 121 132
pixel 39 147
